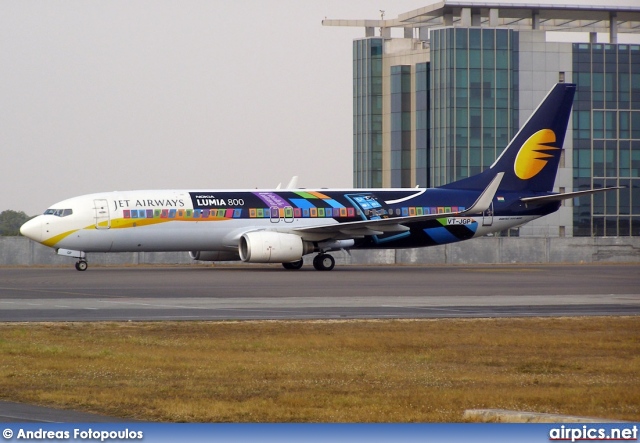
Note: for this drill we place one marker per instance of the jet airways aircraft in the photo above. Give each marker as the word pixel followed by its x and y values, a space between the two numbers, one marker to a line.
pixel 281 226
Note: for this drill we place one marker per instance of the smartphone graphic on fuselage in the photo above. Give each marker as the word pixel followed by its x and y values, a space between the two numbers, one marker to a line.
pixel 371 209
pixel 368 206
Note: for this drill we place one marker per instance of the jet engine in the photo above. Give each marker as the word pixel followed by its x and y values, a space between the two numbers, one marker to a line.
pixel 272 247
pixel 214 255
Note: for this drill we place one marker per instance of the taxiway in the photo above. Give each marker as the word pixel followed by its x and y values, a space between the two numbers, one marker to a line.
pixel 270 292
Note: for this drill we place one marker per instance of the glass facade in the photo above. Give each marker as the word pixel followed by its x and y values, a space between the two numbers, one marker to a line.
pixel 450 117
pixel 606 138
pixel 422 166
pixel 474 99
pixel 367 113
pixel 401 126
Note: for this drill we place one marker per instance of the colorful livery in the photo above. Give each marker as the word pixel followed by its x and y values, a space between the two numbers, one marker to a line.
pixel 281 226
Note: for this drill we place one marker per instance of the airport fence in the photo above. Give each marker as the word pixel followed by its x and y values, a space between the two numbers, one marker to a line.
pixel 20 251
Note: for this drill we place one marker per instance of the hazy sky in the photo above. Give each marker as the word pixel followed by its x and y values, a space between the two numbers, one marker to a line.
pixel 115 95
pixel 110 95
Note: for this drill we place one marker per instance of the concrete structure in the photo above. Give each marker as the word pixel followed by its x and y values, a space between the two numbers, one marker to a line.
pixel 506 416
pixel 19 251
pixel 441 102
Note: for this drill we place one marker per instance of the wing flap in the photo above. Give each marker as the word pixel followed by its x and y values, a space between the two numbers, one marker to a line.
pixel 397 224
pixel 360 232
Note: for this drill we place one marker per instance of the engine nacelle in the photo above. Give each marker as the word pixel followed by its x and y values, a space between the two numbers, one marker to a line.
pixel 272 247
pixel 214 255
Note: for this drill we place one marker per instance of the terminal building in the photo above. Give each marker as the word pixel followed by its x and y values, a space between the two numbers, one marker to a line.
pixel 440 101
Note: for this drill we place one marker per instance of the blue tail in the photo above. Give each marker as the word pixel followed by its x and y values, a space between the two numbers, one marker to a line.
pixel 530 161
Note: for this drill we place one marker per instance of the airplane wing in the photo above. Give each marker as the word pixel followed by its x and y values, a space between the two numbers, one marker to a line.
pixel 565 195
pixel 397 224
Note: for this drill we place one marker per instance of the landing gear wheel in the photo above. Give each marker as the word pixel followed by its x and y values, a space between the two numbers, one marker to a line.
pixel 295 265
pixel 82 265
pixel 324 262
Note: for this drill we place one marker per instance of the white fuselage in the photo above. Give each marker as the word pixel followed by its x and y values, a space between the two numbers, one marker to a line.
pixel 164 221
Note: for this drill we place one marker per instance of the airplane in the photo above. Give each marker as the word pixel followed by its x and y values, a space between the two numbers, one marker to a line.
pixel 283 225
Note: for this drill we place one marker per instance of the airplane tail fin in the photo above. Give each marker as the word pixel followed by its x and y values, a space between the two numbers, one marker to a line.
pixel 530 161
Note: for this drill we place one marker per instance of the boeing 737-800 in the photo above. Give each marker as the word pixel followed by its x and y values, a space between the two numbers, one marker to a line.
pixel 281 226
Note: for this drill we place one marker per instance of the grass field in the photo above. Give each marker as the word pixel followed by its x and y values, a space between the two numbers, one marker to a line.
pixel 326 371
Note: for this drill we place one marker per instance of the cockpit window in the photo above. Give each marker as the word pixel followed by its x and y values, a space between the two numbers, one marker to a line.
pixel 58 212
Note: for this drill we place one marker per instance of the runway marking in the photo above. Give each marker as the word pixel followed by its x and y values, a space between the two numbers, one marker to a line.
pixel 267 310
pixel 27 419
pixel 427 308
pixel 504 270
pixel 50 291
pixel 152 305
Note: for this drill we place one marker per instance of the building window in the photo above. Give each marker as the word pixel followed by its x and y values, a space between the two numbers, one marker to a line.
pixel 605 75
pixel 401 126
pixel 474 100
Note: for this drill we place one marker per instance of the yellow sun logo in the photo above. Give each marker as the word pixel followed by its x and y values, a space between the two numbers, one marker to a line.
pixel 531 159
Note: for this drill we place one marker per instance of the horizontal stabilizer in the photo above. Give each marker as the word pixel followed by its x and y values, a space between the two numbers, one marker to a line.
pixel 565 195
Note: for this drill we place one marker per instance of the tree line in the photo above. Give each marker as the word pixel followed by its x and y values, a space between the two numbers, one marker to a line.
pixel 10 222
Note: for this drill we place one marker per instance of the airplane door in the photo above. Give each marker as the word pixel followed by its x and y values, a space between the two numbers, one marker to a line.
pixel 487 216
pixel 103 219
pixel 288 214
pixel 275 214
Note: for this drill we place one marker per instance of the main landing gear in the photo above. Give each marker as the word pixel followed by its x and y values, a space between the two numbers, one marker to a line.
pixel 293 265
pixel 322 262
pixel 82 265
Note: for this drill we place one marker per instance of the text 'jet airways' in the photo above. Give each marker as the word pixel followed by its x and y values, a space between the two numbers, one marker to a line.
pixel 281 226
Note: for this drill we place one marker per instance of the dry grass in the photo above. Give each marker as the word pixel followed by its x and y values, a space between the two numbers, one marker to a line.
pixel 357 371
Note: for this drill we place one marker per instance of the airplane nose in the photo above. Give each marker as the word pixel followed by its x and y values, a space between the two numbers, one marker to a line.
pixel 33 229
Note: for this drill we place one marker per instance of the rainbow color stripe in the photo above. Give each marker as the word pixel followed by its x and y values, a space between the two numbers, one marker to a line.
pixel 181 214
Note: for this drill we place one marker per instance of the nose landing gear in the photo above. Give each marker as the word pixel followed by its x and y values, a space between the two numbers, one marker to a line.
pixel 81 264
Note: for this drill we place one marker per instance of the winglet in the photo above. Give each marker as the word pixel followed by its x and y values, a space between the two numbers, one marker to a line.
pixel 293 183
pixel 484 201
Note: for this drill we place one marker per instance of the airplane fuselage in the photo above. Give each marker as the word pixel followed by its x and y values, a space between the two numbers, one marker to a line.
pixel 282 226
pixel 213 220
